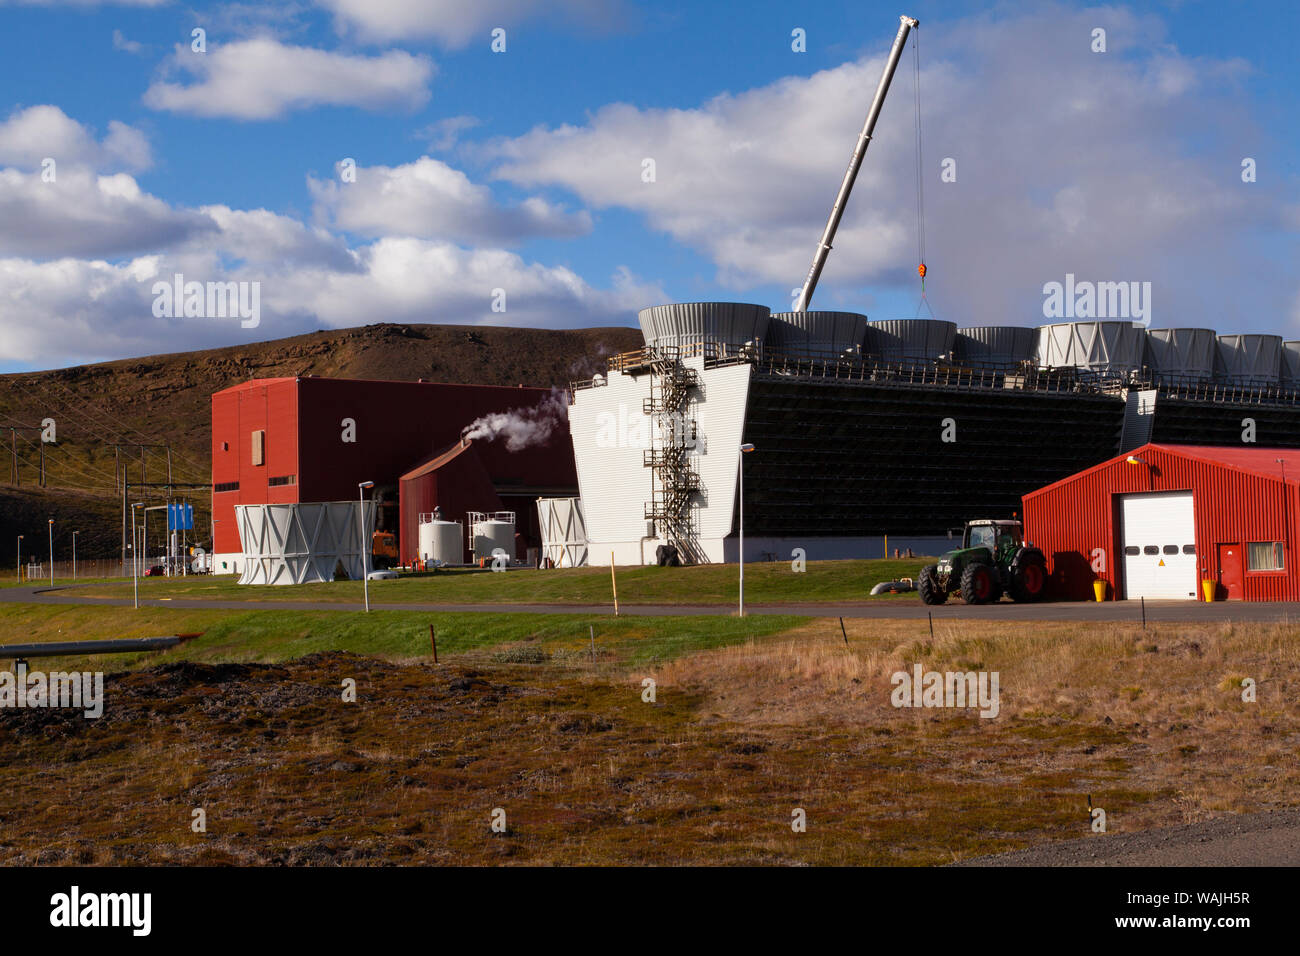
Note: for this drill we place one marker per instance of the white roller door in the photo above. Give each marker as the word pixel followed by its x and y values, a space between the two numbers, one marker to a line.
pixel 1159 534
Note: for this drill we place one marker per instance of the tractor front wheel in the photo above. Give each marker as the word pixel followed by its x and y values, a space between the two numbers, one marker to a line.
pixel 928 585
pixel 978 585
pixel 1029 580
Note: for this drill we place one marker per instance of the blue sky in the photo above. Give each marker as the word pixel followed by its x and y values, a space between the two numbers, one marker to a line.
pixel 519 170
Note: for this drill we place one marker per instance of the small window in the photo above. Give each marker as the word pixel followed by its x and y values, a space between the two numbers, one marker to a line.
pixel 259 447
pixel 1171 549
pixel 1132 549
pixel 1189 549
pixel 226 486
pixel 1264 556
pixel 1151 549
pixel 283 480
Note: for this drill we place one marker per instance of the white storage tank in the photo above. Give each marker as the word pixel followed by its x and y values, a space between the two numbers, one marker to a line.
pixel 490 531
pixel 440 541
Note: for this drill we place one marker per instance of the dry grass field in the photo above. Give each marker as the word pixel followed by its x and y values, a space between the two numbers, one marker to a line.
pixel 1149 724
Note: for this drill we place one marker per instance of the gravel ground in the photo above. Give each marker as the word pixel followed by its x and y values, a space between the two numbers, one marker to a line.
pixel 1271 838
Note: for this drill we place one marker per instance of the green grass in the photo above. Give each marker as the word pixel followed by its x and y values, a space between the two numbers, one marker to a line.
pixel 267 635
pixel 770 582
pixel 11 581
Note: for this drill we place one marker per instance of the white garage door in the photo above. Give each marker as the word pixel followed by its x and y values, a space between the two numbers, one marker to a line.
pixel 1159 535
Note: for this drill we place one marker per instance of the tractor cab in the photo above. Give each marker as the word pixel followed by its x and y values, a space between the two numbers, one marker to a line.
pixel 1001 539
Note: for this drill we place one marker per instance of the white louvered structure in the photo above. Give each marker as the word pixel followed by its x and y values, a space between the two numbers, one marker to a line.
pixel 1182 353
pixel 817 332
pixel 1250 359
pixel 1108 346
pixel 564 531
pixel 683 324
pixel 302 543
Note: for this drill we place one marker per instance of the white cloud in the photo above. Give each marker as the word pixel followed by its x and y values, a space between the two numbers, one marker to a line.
pixel 429 199
pixel 455 23
pixel 261 78
pixel 84 214
pixel 79 257
pixel 74 310
pixel 1122 166
pixel 443 135
pixel 28 136
pixel 120 42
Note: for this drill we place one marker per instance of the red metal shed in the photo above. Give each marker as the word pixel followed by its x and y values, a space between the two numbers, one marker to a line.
pixel 1157 521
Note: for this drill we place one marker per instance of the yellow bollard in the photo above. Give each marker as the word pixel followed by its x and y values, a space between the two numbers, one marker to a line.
pixel 1099 589
pixel 1207 587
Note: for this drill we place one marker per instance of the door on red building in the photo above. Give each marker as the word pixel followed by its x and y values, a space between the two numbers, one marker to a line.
pixel 1230 576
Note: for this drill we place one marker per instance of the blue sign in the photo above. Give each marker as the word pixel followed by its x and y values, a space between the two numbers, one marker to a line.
pixel 180 517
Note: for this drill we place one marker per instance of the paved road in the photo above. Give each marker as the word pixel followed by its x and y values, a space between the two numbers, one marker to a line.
pixel 1110 611
pixel 1271 838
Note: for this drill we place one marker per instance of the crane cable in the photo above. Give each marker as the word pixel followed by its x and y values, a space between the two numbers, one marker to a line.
pixel 920 172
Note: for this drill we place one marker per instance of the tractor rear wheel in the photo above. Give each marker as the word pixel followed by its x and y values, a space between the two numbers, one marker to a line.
pixel 1029 581
pixel 928 585
pixel 978 585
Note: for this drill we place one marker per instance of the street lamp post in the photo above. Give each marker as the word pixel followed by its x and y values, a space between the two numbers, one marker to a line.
pixel 51 523
pixel 361 521
pixel 20 559
pixel 74 555
pixel 744 450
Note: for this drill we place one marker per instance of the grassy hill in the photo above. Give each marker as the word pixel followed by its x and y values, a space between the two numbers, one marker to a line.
pixel 164 400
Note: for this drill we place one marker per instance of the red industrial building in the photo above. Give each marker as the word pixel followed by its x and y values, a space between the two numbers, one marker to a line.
pixel 313 439
pixel 1157 521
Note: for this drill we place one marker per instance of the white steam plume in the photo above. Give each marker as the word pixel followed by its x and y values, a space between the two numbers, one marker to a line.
pixel 522 427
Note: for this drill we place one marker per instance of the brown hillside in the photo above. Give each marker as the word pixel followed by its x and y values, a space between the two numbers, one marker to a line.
pixel 165 400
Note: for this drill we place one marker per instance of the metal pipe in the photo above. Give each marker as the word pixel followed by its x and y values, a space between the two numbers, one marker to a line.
pixel 855 163
pixel 124 645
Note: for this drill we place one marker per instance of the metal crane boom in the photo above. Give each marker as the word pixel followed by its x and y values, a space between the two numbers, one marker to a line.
pixel 824 247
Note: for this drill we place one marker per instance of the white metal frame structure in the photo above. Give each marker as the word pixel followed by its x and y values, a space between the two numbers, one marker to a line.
pixel 302 542
pixel 564 531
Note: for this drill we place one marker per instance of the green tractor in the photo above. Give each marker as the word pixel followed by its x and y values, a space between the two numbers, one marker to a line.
pixel 993 558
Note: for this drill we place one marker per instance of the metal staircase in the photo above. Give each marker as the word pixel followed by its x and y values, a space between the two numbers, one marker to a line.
pixel 670 457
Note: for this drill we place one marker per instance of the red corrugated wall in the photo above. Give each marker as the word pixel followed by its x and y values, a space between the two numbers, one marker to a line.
pixel 270 405
pixel 400 424
pixel 1071 518
pixel 458 487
